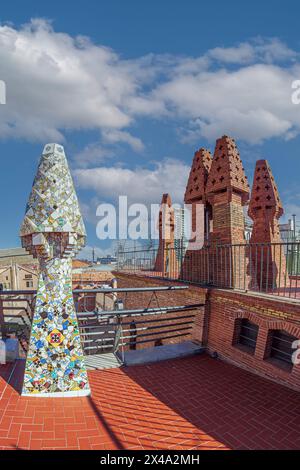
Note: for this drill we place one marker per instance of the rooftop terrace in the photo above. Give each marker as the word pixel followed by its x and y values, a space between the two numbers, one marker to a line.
pixel 191 403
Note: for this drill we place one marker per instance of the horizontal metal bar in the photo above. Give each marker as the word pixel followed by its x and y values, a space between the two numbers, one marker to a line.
pixel 161 327
pixel 159 332
pixel 7 315
pixel 101 290
pixel 136 342
pixel 137 312
pixel 151 340
pixel 136 330
pixel 148 311
pixel 98 347
pixel 14 308
pixel 130 289
pixel 106 340
pixel 94 333
pixel 17 292
pixel 138 322
pixel 86 315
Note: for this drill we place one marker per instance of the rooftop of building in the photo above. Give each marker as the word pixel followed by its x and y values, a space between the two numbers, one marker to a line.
pixel 18 255
pixel 78 263
pixel 191 403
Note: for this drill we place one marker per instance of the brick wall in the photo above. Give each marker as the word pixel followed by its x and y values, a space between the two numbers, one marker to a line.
pixel 216 325
pixel 226 307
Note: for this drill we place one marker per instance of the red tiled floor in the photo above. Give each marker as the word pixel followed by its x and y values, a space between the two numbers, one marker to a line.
pixel 187 403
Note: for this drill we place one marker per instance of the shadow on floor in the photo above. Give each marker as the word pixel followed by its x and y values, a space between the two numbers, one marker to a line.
pixel 201 402
pixel 118 444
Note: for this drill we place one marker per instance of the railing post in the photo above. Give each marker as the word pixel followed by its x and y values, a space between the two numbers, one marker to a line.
pixel 2 321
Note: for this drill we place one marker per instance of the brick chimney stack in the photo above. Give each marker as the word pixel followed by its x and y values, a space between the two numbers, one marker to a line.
pixel 195 195
pixel 195 192
pixel 228 191
pixel 265 209
pixel 166 260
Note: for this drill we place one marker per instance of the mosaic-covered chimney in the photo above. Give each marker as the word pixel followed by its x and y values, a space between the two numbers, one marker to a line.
pixel 53 232
pixel 166 259
pixel 267 265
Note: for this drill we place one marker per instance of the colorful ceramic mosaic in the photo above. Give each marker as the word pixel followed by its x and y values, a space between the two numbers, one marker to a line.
pixel 53 231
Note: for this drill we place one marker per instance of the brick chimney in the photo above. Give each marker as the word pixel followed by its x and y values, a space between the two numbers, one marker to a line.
pixel 195 195
pixel 166 259
pixel 195 192
pixel 267 262
pixel 227 190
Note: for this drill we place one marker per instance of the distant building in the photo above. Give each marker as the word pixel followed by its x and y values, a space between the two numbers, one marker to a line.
pixel 78 264
pixel 18 277
pixel 180 231
pixel 107 260
pixel 288 232
pixel 18 270
pixel 248 225
pixel 16 255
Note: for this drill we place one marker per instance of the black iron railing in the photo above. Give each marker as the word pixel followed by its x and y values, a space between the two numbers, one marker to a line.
pixel 272 268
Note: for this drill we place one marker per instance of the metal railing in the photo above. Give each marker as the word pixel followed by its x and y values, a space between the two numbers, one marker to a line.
pixel 16 309
pixel 112 331
pixel 103 329
pixel 272 268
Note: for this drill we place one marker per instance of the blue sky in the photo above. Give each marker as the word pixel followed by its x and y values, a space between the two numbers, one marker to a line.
pixel 132 88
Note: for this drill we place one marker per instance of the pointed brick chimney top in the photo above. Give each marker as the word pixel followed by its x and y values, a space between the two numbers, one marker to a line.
pixel 196 186
pixel 264 191
pixel 227 172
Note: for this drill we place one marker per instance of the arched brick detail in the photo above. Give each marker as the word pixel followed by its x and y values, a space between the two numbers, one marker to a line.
pixel 268 324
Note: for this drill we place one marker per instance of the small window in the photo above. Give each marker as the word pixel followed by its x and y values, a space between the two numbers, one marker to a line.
pixel 29 284
pixel 248 334
pixel 281 347
pixel 28 276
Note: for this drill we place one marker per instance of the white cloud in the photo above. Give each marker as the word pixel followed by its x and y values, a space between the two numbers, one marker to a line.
pixel 140 184
pixel 261 50
pixel 92 154
pixel 114 136
pixel 290 209
pixel 252 103
pixel 244 53
pixel 56 82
